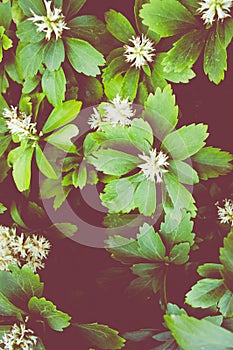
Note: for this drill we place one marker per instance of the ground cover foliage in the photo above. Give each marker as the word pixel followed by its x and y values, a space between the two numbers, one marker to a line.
pixel 121 114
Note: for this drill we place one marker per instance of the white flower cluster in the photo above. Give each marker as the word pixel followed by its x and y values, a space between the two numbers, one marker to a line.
pixel 225 214
pixel 54 21
pixel 18 123
pixel 214 8
pixel 115 112
pixel 141 52
pixel 21 250
pixel 154 165
pixel 19 337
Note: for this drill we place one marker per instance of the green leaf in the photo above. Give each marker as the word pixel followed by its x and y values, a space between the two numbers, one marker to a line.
pixel 30 84
pixel 151 278
pixel 25 104
pixel 13 69
pixel 185 52
pixel 177 231
pixel 113 86
pixel 210 270
pixel 84 57
pixel 4 144
pixel 7 308
pixel 179 253
pixel 40 345
pixel 191 5
pixel 116 66
pixel 227 28
pixel 193 334
pixel 82 175
pixel 89 144
pixel 92 90
pixel 87 27
pixel 112 197
pixel 141 135
pixel 62 115
pixel 181 198
pixel 130 84
pixel 4 83
pixel 6 42
pixel 119 26
pixel 54 86
pixel 185 141
pixel 123 249
pixel 36 6
pixel 226 304
pixel 215 57
pixel 16 216
pixel 72 7
pixel 137 7
pixel 159 72
pixel 44 165
pixel 27 32
pixel 61 230
pixel 184 172
pixel 159 17
pixel 5 14
pixel 62 138
pixel 53 188
pixel 30 59
pixel 20 284
pixel 3 104
pixel 2 208
pixel 22 167
pixel 161 112
pixel 113 162
pixel 101 336
pixel 151 246
pixel 4 167
pixel 226 254
pixel 211 162
pixel 47 311
pixel 54 54
pixel 206 293
pixel 145 197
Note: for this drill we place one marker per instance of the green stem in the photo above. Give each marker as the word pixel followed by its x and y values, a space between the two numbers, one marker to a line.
pixel 165 289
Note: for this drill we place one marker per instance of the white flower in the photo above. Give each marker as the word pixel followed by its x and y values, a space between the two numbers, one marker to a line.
pixel 95 120
pixel 18 250
pixel 20 124
pixel 214 8
pixel 37 246
pixel 225 214
pixel 115 112
pixel 154 165
pixel 54 21
pixel 141 52
pixel 118 111
pixel 19 337
pixel 7 236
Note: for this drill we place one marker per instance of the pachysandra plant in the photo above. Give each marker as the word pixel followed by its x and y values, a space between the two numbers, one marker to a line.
pixel 8 64
pixel 178 332
pixel 148 163
pixel 160 157
pixel 24 306
pixel 53 42
pixel 152 254
pixel 20 126
pixel 214 291
pixel 200 26
pixel 134 69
